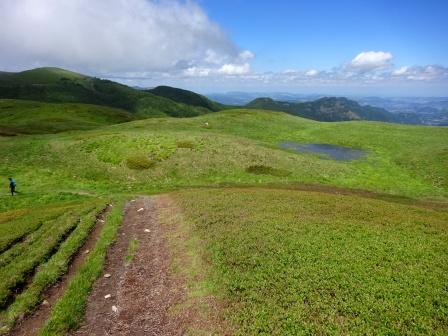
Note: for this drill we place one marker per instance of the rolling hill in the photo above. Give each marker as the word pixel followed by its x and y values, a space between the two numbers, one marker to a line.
pixel 62 86
pixel 54 85
pixel 326 109
pixel 186 97
pixel 31 117
pixel 249 217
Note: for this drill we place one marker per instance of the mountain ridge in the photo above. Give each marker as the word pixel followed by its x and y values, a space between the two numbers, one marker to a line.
pixel 54 85
pixel 325 109
pixel 186 97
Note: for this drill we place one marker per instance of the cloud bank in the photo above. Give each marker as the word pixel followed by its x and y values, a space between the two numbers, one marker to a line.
pixel 372 68
pixel 153 42
pixel 115 36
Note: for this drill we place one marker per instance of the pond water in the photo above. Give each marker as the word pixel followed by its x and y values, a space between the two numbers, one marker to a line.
pixel 325 151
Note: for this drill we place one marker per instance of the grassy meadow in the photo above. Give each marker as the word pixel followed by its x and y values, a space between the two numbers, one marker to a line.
pixel 284 261
pixel 30 117
pixel 309 263
pixel 164 153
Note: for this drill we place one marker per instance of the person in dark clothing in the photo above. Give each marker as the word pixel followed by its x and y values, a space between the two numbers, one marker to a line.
pixel 12 186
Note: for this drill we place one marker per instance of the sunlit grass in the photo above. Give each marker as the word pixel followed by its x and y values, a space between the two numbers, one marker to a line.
pixel 293 263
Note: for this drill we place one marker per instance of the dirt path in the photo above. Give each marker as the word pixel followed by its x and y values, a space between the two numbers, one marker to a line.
pixel 143 292
pixel 31 325
pixel 330 189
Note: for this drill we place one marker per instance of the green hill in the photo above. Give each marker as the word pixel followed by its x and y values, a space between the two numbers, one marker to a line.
pixel 40 76
pixel 62 86
pixel 237 146
pixel 27 117
pixel 325 109
pixel 271 231
pixel 186 97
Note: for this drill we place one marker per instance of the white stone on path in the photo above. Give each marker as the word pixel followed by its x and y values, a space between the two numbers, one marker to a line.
pixel 141 209
pixel 115 309
pixel 107 296
pixel 147 230
pixel 107 275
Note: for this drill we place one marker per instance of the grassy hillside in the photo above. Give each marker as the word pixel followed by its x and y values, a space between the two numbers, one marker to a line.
pixel 62 86
pixel 284 259
pixel 40 76
pixel 325 109
pixel 156 154
pixel 310 263
pixel 24 116
pixel 186 97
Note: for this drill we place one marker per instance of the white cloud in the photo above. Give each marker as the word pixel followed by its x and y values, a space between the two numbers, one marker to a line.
pixel 369 60
pixel 401 71
pixel 312 73
pixel 197 72
pixel 422 73
pixel 235 69
pixel 113 36
pixel 246 55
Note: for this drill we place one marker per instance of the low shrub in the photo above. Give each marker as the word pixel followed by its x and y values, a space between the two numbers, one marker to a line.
pixel 266 170
pixel 139 162
pixel 185 144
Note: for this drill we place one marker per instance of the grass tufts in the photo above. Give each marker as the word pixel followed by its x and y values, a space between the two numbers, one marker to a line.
pixel 139 162
pixel 266 170
pixel 132 248
pixel 185 144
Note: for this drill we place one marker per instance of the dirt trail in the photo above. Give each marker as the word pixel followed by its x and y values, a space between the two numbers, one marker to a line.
pixel 31 324
pixel 143 292
pixel 441 203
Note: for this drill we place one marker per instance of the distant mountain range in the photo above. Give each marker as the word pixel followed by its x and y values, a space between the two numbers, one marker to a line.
pixel 325 109
pixel 409 110
pixel 243 98
pixel 54 85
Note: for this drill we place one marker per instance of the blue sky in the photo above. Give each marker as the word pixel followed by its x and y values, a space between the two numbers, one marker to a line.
pixel 324 34
pixel 350 47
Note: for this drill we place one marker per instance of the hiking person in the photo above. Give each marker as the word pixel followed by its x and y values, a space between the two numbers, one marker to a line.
pixel 12 185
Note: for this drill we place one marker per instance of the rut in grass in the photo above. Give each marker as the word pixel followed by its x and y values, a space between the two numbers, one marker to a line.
pixel 60 269
pixel 20 263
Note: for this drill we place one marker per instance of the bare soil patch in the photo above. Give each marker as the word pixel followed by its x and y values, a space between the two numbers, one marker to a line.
pixel 144 297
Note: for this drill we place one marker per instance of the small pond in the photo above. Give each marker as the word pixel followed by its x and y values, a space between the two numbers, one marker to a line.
pixel 325 151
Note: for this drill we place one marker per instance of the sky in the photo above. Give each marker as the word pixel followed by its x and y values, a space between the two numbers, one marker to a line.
pixel 351 47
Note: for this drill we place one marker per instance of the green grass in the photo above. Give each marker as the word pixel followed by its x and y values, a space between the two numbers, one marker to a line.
pixel 301 263
pixel 68 312
pixel 185 144
pixel 139 162
pixel 30 117
pixel 21 259
pixel 16 224
pixel 402 160
pixel 47 75
pixel 48 273
pixel 132 248
pixel 266 170
pixel 61 173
